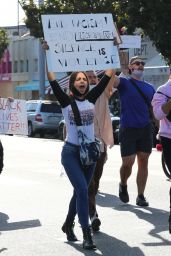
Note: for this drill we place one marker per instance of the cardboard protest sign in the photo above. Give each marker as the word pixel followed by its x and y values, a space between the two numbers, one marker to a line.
pixel 117 34
pixel 129 41
pixel 13 117
pixel 80 42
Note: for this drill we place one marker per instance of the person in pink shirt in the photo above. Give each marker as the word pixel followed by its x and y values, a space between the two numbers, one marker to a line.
pixel 162 111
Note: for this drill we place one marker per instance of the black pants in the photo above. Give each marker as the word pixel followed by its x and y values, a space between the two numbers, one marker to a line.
pixel 166 144
pixel 1 157
pixel 94 185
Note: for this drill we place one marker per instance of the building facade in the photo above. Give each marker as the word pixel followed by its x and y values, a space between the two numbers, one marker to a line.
pixel 19 66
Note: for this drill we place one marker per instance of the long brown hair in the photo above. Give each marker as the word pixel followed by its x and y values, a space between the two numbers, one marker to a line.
pixel 73 77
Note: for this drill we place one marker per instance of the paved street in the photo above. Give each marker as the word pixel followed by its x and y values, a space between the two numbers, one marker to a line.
pixel 34 196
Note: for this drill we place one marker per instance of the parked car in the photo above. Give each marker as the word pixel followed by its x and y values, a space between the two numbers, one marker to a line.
pixel 43 117
pixel 115 124
pixel 61 131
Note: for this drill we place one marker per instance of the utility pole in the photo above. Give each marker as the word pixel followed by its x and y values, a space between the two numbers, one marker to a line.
pixel 41 67
pixel 18 17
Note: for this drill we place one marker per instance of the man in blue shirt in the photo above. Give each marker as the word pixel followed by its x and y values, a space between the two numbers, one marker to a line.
pixel 135 128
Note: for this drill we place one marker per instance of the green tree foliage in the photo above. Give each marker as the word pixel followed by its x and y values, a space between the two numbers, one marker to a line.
pixel 153 16
pixel 33 12
pixel 3 41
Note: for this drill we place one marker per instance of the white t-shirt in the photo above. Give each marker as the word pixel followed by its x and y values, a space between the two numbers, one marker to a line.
pixel 86 110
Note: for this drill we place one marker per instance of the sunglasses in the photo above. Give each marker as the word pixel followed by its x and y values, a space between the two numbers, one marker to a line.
pixel 138 63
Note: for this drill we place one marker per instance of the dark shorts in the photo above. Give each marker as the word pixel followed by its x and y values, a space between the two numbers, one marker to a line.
pixel 133 140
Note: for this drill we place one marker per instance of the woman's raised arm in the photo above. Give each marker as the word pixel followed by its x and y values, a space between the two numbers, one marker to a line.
pixel 50 75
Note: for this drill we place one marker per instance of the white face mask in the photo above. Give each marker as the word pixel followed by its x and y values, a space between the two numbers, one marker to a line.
pixel 91 86
pixel 138 73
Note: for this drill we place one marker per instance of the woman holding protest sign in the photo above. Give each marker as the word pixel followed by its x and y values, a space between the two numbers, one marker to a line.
pixel 79 175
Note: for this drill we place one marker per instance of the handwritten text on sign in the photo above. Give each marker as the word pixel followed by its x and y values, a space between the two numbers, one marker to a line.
pixel 80 42
pixel 13 117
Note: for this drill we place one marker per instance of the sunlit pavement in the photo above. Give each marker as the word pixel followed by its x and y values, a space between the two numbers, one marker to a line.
pixel 34 199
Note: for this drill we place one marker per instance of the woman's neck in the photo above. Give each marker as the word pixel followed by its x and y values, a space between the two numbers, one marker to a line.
pixel 79 97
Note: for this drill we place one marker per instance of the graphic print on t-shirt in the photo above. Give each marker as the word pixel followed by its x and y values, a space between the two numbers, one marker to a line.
pixel 87 117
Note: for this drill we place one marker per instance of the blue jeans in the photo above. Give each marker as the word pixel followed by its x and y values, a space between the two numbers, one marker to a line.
pixel 80 178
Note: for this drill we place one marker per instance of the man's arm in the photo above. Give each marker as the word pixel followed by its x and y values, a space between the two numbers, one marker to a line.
pixel 114 82
pixel 110 72
pixel 109 90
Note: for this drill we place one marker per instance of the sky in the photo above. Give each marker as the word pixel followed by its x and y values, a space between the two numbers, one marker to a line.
pixel 9 13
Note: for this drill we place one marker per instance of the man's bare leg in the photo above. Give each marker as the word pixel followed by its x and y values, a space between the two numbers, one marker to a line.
pixel 142 174
pixel 125 172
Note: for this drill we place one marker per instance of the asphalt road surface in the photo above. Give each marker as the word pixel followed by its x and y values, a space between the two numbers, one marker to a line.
pixel 34 197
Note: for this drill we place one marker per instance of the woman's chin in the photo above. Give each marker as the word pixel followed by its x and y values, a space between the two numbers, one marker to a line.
pixel 82 91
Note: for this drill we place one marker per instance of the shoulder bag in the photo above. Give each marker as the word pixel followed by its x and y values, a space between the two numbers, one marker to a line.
pixel 89 150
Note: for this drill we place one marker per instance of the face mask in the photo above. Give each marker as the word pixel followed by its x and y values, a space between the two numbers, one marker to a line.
pixel 138 73
pixel 92 86
pixel 77 93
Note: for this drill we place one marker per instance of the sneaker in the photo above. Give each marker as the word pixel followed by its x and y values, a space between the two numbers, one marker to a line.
pixel 123 193
pixel 95 223
pixel 141 201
